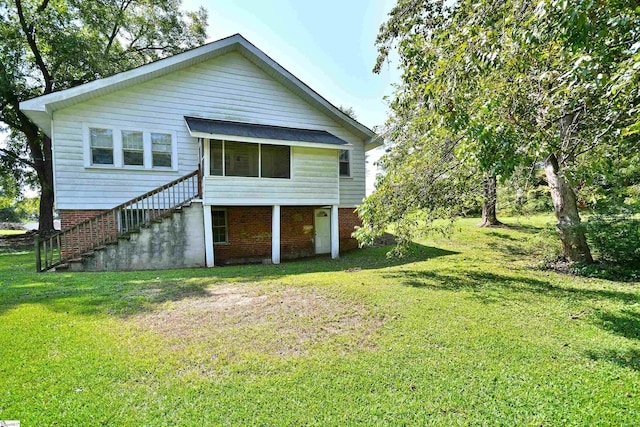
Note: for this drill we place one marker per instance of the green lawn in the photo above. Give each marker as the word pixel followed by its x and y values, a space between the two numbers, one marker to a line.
pixel 463 331
pixel 11 232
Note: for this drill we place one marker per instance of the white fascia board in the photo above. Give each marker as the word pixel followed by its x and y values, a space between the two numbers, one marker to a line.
pixel 235 138
pixel 373 143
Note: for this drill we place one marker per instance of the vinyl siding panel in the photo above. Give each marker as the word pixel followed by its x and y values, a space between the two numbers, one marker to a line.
pixel 229 87
pixel 314 181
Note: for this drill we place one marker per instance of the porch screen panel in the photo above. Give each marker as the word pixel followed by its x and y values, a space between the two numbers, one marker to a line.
pixel 216 158
pixel 241 159
pixel 275 161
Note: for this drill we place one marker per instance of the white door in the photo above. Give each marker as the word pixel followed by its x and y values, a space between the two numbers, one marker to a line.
pixel 323 230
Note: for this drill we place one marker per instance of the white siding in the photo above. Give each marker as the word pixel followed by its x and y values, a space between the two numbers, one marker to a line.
pixel 227 88
pixel 314 181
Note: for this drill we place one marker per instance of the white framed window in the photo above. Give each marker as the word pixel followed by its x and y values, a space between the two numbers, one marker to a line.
pixel 132 148
pixel 219 226
pixel 345 163
pixel 101 146
pixel 161 150
pixel 129 148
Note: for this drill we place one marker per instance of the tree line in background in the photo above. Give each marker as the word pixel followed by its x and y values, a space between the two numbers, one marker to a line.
pixel 511 91
pixel 47 46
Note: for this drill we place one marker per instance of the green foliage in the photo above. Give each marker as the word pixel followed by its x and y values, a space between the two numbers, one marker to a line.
pixel 513 84
pixel 615 238
pixel 9 214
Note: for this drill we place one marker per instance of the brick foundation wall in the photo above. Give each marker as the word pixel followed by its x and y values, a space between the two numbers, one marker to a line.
pixel 296 232
pixel 105 228
pixel 347 221
pixel 69 218
pixel 249 233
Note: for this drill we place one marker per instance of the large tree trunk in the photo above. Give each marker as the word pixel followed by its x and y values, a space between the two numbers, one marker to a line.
pixel 489 203
pixel 43 165
pixel 45 177
pixel 574 241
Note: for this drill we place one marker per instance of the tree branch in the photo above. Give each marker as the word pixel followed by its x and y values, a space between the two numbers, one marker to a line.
pixel 15 156
pixel 29 31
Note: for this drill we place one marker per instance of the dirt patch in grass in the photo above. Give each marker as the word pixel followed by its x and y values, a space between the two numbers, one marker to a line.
pixel 238 319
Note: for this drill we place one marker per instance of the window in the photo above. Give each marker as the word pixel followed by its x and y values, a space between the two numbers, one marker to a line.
pixel 219 225
pixel 275 161
pixel 113 146
pixel 216 158
pixel 161 150
pixel 241 159
pixel 132 148
pixel 344 163
pixel 230 158
pixel 132 219
pixel 101 143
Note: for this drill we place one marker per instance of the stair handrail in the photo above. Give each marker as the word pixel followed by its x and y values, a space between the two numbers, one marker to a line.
pixel 109 226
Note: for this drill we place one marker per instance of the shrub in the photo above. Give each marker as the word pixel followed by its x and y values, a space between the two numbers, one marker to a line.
pixel 615 239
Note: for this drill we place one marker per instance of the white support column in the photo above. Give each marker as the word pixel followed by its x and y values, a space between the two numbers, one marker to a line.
pixel 335 233
pixel 208 236
pixel 275 235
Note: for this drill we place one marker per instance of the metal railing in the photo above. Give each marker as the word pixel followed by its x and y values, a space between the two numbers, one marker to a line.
pixel 109 226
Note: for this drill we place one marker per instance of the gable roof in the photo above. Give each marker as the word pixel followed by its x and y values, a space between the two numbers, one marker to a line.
pixel 40 109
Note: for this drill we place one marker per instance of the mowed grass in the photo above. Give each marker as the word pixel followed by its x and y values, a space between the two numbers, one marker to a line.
pixel 463 331
pixel 11 232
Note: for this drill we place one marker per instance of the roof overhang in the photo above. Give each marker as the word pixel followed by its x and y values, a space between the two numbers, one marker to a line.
pixel 256 133
pixel 40 110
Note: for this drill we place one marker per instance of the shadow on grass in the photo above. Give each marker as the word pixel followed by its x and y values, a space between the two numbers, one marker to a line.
pixel 131 292
pixel 491 287
pixel 626 324
pixel 628 358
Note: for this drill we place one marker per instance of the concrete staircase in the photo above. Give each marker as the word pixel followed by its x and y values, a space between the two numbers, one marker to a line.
pixel 176 241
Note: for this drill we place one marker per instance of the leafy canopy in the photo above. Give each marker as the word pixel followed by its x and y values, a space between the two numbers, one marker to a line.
pixel 490 85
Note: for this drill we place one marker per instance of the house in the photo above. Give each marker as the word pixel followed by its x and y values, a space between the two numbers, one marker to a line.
pixel 216 155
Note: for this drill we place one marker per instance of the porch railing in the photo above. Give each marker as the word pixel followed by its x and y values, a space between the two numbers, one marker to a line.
pixel 109 226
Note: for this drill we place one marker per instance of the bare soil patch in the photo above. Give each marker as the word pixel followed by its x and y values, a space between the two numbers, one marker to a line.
pixel 237 319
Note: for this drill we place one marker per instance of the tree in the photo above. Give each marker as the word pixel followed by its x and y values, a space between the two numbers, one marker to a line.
pixel 53 45
pixel 518 82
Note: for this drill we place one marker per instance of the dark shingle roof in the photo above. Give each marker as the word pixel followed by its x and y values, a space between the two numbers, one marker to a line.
pixel 223 127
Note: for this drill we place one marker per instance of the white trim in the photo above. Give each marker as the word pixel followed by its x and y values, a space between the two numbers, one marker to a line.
pixel 40 109
pixel 206 170
pixel 275 234
pixel 335 232
pixel 270 202
pixel 208 236
pixel 53 163
pixel 234 138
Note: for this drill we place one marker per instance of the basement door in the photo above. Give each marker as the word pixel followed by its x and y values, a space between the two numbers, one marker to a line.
pixel 323 230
